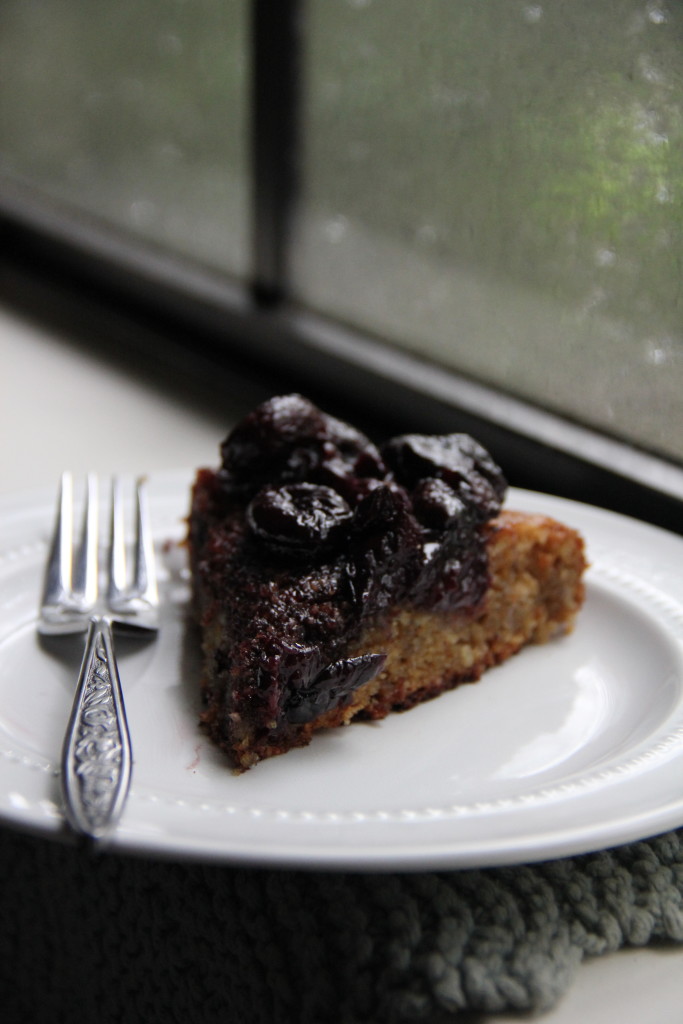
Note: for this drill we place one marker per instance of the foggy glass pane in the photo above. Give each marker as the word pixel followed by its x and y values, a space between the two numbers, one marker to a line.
pixel 498 186
pixel 132 111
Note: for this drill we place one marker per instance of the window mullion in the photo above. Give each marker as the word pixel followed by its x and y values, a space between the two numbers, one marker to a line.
pixel 275 100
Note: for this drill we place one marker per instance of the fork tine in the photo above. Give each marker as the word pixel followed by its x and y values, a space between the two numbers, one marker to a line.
pixel 58 573
pixel 85 568
pixel 144 583
pixel 117 547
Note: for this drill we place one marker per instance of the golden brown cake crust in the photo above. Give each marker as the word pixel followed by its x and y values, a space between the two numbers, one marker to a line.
pixel 536 590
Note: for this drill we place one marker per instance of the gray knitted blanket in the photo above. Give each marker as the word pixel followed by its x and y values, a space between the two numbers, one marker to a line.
pixel 103 937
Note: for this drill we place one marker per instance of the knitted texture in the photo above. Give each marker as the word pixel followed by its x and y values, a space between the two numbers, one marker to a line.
pixel 107 938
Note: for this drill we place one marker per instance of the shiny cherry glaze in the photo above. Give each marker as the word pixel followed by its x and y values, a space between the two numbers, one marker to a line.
pixel 456 459
pixel 302 518
pixel 289 440
pixel 318 531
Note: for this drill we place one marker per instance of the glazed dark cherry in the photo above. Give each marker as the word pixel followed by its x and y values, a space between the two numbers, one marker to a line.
pixel 458 460
pixel 438 507
pixel 385 548
pixel 299 672
pixel 302 517
pixel 332 685
pixel 288 439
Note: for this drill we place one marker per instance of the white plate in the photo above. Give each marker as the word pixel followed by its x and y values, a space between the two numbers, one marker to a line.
pixel 567 748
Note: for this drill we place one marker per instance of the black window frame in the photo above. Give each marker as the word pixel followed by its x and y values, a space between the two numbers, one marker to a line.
pixel 64 266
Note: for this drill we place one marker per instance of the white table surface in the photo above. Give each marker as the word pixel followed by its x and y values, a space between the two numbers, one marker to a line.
pixel 64 408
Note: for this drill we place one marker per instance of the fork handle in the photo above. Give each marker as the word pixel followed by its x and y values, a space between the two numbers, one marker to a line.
pixel 96 756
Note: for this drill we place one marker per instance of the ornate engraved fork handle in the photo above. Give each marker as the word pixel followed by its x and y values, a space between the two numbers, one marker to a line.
pixel 96 757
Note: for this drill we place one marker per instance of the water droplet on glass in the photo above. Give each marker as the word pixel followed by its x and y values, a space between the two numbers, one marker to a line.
pixel 169 153
pixel 605 257
pixel 426 234
pixel 170 44
pixel 142 212
pixel 533 13
pixel 649 72
pixel 595 299
pixel 336 228
pixel 656 15
pixel 658 351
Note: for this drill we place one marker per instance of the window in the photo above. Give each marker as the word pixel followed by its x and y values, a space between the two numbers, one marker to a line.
pixel 479 203
pixel 134 114
pixel 499 186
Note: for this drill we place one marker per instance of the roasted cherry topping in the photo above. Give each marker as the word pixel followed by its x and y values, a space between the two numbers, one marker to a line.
pixel 438 507
pixel 298 517
pixel 331 686
pixel 455 458
pixel 294 679
pixel 277 665
pixel 385 547
pixel 288 439
pixel 461 579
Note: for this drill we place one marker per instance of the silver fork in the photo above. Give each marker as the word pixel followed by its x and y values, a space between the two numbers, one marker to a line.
pixel 96 756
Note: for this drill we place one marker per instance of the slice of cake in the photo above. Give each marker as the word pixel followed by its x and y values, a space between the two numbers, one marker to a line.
pixel 335 580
